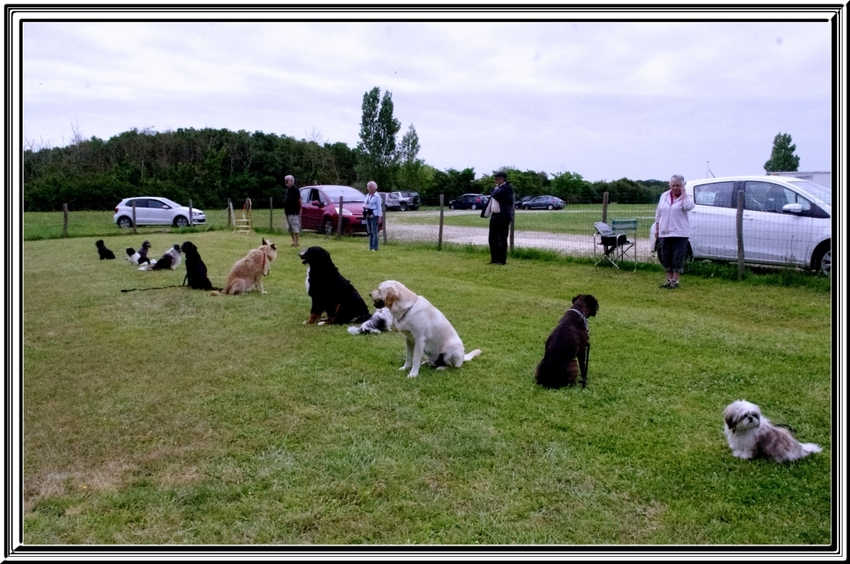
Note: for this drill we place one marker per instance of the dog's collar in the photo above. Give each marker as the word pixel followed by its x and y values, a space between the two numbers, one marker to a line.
pixel 583 318
pixel 403 315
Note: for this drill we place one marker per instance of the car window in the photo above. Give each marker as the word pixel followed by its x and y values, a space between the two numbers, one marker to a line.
pixel 157 205
pixel 817 190
pixel 764 196
pixel 716 194
pixel 794 198
pixel 755 195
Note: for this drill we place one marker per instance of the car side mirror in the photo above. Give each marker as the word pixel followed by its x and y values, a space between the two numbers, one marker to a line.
pixel 792 208
pixel 316 203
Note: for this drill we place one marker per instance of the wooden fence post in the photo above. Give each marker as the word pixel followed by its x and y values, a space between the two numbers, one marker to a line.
pixel 134 217
pixel 65 222
pixel 229 213
pixel 339 219
pixel 739 227
pixel 605 207
pixel 440 231
pixel 271 213
pixel 191 223
pixel 384 218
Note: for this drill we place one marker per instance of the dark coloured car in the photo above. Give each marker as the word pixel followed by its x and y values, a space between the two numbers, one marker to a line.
pixel 544 203
pixel 319 209
pixel 523 200
pixel 469 202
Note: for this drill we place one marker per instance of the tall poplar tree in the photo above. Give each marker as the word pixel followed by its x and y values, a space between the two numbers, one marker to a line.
pixel 782 157
pixel 377 157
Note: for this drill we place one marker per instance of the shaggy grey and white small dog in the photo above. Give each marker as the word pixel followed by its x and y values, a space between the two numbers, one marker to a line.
pixel 751 435
pixel 381 320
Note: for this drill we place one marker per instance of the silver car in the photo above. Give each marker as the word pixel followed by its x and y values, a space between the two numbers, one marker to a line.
pixel 786 221
pixel 152 210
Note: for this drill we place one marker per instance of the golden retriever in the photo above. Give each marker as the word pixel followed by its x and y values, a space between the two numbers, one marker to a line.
pixel 248 271
pixel 427 332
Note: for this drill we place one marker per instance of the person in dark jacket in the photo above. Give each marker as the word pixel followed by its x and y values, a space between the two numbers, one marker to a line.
pixel 502 197
pixel 292 209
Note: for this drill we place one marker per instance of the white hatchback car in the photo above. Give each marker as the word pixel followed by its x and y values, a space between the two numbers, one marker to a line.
pixel 155 211
pixel 786 221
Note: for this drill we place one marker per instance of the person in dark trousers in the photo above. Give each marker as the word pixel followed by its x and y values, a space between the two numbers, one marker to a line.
pixel 292 209
pixel 502 197
pixel 673 229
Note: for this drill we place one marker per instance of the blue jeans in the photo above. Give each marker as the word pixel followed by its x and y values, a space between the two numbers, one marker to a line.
pixel 372 230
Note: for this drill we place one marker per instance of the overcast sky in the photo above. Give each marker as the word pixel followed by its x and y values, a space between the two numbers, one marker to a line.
pixel 641 100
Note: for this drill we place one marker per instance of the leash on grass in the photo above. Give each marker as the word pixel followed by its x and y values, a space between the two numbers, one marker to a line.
pixel 156 288
pixel 186 279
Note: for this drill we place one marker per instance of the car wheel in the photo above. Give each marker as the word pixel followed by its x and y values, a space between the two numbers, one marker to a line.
pixel 181 221
pixel 402 207
pixel 125 222
pixel 550 207
pixel 473 207
pixel 822 261
pixel 328 227
pixel 526 208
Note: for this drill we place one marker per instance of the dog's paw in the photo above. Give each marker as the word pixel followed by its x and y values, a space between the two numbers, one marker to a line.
pixel 354 330
pixel 264 292
pixel 320 323
pixel 412 375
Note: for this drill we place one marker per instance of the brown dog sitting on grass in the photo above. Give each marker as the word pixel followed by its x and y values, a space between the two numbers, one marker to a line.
pixel 568 347
pixel 247 274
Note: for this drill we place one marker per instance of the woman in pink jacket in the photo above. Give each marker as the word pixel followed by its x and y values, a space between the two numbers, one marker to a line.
pixel 672 229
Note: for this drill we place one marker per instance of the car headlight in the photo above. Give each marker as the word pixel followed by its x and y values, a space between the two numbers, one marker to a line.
pixel 346 212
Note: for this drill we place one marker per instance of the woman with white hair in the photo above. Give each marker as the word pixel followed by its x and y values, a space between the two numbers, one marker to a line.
pixel 372 212
pixel 672 229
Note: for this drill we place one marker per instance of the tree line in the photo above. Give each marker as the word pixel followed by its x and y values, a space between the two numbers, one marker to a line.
pixel 209 166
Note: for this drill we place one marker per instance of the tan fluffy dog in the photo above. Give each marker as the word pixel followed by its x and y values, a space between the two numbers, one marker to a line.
pixel 248 271
pixel 428 333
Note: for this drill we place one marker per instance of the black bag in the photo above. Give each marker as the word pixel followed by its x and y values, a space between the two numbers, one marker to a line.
pixel 368 214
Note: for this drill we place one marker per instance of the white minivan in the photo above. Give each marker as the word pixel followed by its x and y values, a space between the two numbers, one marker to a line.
pixel 786 221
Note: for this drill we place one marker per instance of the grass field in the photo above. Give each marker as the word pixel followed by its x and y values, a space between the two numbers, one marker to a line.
pixel 171 416
pixel 576 219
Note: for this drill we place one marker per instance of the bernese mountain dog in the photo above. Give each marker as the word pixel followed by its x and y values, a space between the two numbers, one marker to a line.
pixel 330 292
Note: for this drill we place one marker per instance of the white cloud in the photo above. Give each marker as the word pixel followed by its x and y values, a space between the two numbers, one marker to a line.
pixel 605 100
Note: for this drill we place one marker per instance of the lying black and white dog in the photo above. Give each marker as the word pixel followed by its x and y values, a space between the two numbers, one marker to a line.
pixel 170 260
pixel 103 251
pixel 196 270
pixel 381 321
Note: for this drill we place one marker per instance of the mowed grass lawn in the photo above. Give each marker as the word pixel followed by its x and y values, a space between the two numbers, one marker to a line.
pixel 173 416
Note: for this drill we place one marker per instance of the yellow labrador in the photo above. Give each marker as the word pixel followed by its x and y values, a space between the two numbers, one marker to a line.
pixel 427 331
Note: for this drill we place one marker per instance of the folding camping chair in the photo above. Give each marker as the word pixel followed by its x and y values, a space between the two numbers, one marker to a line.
pixel 617 246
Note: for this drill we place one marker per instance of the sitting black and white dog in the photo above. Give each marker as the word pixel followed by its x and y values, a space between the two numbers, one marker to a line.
pixel 381 321
pixel 196 270
pixel 105 254
pixel 169 260
pixel 140 256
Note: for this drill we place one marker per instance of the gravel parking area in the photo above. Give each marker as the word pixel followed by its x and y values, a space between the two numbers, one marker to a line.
pixel 573 245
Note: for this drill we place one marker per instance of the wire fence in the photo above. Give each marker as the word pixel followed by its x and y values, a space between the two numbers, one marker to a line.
pixel 759 236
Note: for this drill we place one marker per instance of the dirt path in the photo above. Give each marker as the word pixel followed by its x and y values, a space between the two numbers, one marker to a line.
pixel 575 245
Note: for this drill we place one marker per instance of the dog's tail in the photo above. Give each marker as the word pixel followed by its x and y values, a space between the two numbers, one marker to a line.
pixel 470 355
pixel 811 447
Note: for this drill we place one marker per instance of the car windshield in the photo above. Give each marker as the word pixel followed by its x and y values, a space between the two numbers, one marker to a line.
pixel 819 191
pixel 348 194
pixel 171 203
